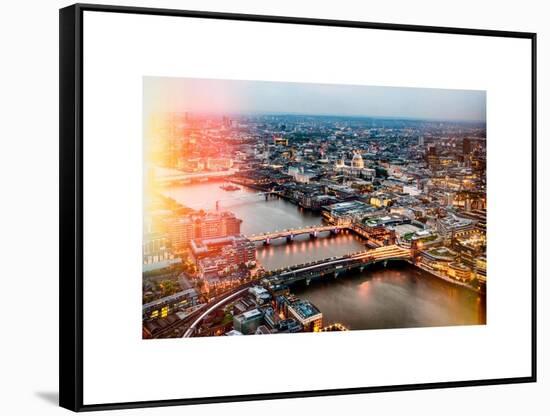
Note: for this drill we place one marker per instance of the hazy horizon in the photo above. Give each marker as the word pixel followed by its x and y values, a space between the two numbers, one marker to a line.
pixel 213 96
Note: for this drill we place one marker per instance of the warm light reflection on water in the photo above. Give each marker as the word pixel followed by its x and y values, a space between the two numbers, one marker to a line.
pixel 303 249
pixel 400 296
pixel 259 216
pixel 364 288
pixel 396 297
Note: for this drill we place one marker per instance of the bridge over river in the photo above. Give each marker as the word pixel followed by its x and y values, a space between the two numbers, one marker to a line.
pixel 335 266
pixel 306 272
pixel 312 230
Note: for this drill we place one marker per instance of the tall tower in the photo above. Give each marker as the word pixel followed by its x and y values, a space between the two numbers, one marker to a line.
pixel 467 146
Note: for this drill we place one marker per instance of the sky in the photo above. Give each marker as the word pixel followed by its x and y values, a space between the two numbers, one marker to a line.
pixel 163 94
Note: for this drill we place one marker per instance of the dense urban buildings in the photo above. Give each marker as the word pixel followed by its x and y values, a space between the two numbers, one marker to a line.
pixel 233 200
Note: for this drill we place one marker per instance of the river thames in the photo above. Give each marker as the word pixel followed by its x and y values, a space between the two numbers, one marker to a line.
pixel 397 296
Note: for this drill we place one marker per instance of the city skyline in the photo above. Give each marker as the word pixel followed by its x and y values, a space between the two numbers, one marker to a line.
pixel 261 223
pixel 218 96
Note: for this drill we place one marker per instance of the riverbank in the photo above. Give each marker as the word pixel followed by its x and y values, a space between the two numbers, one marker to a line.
pixel 397 296
pixel 393 297
pixel 278 194
pixel 283 214
pixel 448 279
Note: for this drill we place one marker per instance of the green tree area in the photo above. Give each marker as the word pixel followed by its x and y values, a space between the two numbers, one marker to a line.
pixel 381 172
pixel 167 287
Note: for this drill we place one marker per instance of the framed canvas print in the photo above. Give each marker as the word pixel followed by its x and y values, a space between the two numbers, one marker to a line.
pixel 260 207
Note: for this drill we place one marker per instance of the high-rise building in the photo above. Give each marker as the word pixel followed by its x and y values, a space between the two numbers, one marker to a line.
pixel 467 146
pixel 432 157
pixel 182 230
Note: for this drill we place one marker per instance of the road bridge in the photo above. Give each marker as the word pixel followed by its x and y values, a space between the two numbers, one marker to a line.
pixel 307 272
pixel 289 234
pixel 338 265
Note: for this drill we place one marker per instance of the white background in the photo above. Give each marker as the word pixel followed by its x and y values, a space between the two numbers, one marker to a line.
pixel 29 210
pixel 115 61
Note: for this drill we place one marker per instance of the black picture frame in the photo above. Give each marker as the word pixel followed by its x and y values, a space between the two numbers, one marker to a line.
pixel 71 205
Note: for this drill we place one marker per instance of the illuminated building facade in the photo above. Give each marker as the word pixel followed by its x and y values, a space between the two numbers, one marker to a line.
pixel 182 230
pixel 307 315
pixel 162 307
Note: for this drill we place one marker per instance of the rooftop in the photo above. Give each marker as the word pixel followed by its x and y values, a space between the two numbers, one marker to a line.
pixel 305 309
pixel 172 298
pixel 254 313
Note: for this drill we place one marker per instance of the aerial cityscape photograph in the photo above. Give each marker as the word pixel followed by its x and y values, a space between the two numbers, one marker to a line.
pixel 281 207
